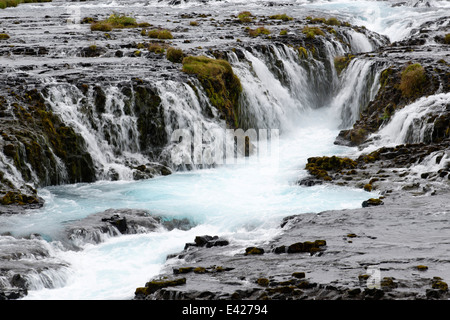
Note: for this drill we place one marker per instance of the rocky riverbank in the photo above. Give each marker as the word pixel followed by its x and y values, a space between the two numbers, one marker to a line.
pixel 393 251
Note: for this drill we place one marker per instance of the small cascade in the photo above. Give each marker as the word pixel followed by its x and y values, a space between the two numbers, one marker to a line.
pixel 359 85
pixel 415 122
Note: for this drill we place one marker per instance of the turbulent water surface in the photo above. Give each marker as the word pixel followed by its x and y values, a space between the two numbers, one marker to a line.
pixel 243 203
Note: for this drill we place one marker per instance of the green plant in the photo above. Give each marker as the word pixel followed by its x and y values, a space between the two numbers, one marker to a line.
pixel 175 55
pixel 341 62
pixel 160 34
pixel 283 17
pixel 283 32
pixel 447 38
pixel 333 22
pixel 220 83
pixel 258 31
pixel 193 23
pixel 303 53
pixel 101 26
pixel 245 16
pixel 121 21
pixel 312 32
pixel 156 48
pixel 412 80
pixel 4 36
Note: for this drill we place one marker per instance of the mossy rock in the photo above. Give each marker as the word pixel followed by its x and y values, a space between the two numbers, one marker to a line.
pixel 153 286
pixel 437 283
pixel 183 270
pixel 412 80
pixel 321 166
pixel 342 62
pixel 422 268
pixel 388 283
pixel 263 282
pixel 299 275
pixel 17 198
pixel 221 85
pixel 199 270
pixel 254 251
pixel 307 246
pixel 372 202
pixel 312 32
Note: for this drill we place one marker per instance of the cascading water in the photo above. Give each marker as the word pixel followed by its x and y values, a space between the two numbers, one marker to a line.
pixel 304 98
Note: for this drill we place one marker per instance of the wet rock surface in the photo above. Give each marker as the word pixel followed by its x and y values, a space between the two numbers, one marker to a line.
pixel 393 251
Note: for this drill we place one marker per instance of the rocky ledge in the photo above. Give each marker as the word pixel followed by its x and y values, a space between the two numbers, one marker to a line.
pixel 393 251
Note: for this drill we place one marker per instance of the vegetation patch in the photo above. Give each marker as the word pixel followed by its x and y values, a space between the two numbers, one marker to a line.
pixel 321 166
pixel 258 31
pixel 447 38
pixel 245 16
pixel 14 3
pixel 220 83
pixel 312 32
pixel 153 286
pixel 412 80
pixel 115 21
pixel 342 62
pixel 175 55
pixel 161 34
pixel 156 48
pixel 4 36
pixel 283 17
pixel 303 53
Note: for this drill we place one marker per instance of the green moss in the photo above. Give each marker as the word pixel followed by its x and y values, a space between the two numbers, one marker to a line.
pixel 312 32
pixel 101 26
pixel 253 251
pixel 283 32
pixel 153 286
pixel 333 22
pixel 193 23
pixel 258 31
pixel 412 80
pixel 320 166
pixel 437 283
pixel 245 16
pixel 161 34
pixel 388 282
pixel 317 20
pixel 14 197
pixel 175 55
pixel 307 246
pixel 368 187
pixel 4 36
pixel 220 83
pixel 156 48
pixel 303 53
pixel 283 17
pixel 264 282
pixel 14 3
pixel 115 21
pixel 422 268
pixel 342 62
pixel 447 38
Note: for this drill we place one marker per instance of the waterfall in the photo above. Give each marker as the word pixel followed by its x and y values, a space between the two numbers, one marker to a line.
pixel 359 85
pixel 411 123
